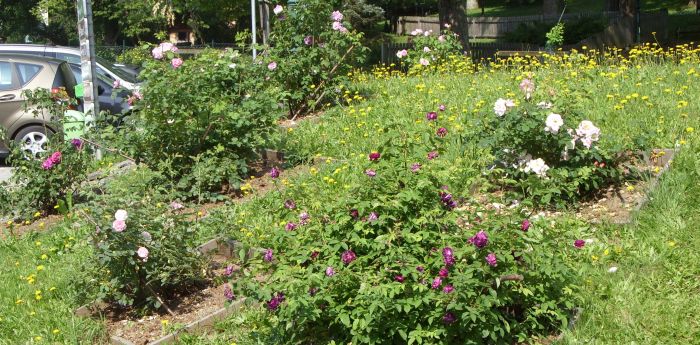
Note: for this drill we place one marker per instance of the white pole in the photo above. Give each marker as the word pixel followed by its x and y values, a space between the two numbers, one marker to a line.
pixel 87 60
pixel 253 26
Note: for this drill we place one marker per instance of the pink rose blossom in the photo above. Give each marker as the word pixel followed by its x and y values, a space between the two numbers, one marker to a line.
pixel 337 16
pixel 142 253
pixel 272 66
pixel 176 62
pixel 119 225
pixel 278 9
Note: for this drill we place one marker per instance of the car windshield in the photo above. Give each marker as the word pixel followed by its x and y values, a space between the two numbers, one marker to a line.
pixel 116 70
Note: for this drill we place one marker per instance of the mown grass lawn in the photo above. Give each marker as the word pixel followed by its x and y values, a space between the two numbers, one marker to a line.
pixel 641 102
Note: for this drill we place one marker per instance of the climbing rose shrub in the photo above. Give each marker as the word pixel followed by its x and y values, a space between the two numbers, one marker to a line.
pixel 431 51
pixel 398 257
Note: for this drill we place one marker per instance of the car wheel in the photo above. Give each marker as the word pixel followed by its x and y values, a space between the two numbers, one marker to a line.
pixel 33 140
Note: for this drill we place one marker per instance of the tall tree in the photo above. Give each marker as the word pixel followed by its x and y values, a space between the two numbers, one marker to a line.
pixel 454 14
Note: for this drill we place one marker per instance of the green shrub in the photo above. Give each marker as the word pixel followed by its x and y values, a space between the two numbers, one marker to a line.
pixel 216 106
pixel 549 157
pixel 389 259
pixel 311 54
pixel 144 247
pixel 43 180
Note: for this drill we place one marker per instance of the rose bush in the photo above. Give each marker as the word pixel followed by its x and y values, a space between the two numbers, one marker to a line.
pixel 550 157
pixel 313 48
pixel 431 51
pixel 202 120
pixel 397 257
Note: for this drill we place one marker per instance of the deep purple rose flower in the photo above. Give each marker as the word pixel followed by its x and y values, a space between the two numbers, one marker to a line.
pixel 449 318
pixel 399 278
pixel 267 255
pixel 448 289
pixel 436 282
pixel 448 256
pixel 415 167
pixel 348 256
pixel 290 226
pixel 275 302
pixel 290 204
pixel 370 173
pixel 77 143
pixel 431 116
pixel 314 255
pixel 313 291
pixel 304 218
pixel 447 200
pixel 579 243
pixel 444 272
pixel 432 155
pixel 526 225
pixel 441 132
pixel 374 156
pixel 309 40
pixel 274 173
pixel 480 240
pixel 420 269
pixel 491 260
pixel 354 213
pixel 228 293
pixel 228 271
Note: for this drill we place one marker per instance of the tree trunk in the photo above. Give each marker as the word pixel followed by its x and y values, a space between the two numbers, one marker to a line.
pixel 552 7
pixel 454 14
pixel 628 7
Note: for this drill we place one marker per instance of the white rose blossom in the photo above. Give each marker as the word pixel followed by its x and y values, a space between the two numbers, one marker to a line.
pixel 501 106
pixel 553 123
pixel 537 166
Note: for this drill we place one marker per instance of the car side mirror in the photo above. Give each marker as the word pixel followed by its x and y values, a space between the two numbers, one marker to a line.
pixel 100 90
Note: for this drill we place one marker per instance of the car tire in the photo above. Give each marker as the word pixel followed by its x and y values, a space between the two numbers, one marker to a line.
pixel 33 140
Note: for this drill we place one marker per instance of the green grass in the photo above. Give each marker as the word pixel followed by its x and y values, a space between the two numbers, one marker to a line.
pixel 651 299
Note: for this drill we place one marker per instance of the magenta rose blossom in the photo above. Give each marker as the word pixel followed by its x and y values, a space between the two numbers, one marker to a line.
pixel 274 173
pixel 348 256
pixel 77 143
pixel 526 225
pixel 448 256
pixel 176 62
pixel 56 157
pixel 449 318
pixel 432 155
pixel 443 273
pixel 491 259
pixel 374 156
pixel 290 204
pixel 415 167
pixel 399 278
pixel 309 40
pixel 228 271
pixel 272 66
pixel 354 213
pixel 267 255
pixel 441 132
pixel 47 164
pixel 480 240
pixel 370 173
pixel 442 107
pixel 431 116
pixel 290 226
pixel 579 243
pixel 275 302
pixel 436 282
pixel 228 293
pixel 448 289
pixel 330 271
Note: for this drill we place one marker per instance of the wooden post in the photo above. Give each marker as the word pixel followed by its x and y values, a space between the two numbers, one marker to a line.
pixel 87 60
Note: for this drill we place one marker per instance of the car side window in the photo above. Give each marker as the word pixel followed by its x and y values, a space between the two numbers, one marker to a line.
pixel 27 72
pixel 5 76
pixel 71 58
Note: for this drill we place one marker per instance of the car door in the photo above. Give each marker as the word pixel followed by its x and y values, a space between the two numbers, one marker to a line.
pixel 10 94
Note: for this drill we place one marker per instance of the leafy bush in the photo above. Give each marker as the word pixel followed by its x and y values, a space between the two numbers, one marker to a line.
pixel 214 110
pixel 397 258
pixel 43 180
pixel 550 157
pixel 144 249
pixel 430 51
pixel 313 49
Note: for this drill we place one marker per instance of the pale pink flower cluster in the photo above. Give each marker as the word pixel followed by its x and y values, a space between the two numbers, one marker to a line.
pixel 119 223
pixel 135 96
pixel 418 32
pixel 553 123
pixel 176 62
pixel 278 9
pixel 424 61
pixel 337 17
pixel 528 87
pixel 402 53
pixel 272 66
pixel 502 105
pixel 160 51
pixel 537 166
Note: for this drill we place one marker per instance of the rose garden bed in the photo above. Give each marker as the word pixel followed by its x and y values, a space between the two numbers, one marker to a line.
pixel 193 311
